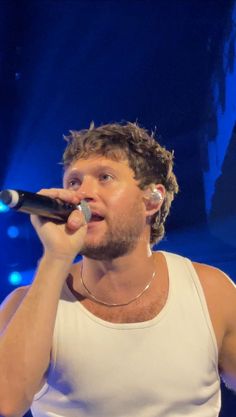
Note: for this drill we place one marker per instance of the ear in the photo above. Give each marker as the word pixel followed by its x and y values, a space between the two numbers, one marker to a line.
pixel 153 198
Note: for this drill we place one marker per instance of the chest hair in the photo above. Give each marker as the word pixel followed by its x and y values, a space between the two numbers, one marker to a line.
pixel 141 310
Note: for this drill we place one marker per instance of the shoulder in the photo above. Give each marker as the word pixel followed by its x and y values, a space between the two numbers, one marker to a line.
pixel 207 274
pixel 219 289
pixel 214 277
pixel 220 292
pixel 214 281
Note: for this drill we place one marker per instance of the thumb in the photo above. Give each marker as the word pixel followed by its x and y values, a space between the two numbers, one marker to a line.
pixel 75 220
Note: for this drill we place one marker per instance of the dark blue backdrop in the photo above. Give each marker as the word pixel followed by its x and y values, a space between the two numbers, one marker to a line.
pixel 170 65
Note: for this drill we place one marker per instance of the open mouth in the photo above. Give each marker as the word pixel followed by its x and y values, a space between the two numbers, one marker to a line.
pixel 96 218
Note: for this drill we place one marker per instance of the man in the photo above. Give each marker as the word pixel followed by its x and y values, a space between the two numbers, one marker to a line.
pixel 125 332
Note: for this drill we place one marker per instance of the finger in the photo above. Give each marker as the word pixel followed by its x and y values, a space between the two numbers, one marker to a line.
pixel 68 196
pixel 75 220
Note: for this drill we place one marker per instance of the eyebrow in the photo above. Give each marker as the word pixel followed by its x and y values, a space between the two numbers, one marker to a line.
pixel 93 170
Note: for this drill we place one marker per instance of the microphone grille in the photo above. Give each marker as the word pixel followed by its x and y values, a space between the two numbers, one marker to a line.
pixel 86 210
pixel 6 197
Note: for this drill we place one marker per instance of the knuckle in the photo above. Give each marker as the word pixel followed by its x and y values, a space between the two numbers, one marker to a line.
pixel 45 191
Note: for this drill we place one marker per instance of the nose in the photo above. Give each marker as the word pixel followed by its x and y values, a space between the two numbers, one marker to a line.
pixel 84 196
pixel 87 190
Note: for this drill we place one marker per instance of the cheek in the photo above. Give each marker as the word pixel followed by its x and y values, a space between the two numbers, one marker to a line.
pixel 117 198
pixel 125 202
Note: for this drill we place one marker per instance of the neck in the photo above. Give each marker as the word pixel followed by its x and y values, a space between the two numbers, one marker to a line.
pixel 120 279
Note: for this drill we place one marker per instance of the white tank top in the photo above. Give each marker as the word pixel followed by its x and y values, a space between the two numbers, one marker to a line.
pixel 164 367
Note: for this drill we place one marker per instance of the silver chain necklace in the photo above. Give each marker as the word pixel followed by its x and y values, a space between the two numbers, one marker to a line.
pixel 114 304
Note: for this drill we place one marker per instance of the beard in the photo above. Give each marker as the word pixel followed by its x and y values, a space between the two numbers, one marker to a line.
pixel 120 239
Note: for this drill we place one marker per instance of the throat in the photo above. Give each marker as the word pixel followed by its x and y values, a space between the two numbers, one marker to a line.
pixel 143 308
pixel 98 300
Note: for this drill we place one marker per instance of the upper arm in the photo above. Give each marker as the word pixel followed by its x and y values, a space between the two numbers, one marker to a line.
pixel 220 293
pixel 228 352
pixel 10 305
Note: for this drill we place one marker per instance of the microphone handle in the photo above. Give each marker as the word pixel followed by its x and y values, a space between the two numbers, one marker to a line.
pixel 31 203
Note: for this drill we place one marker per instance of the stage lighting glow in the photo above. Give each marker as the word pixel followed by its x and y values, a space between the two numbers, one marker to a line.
pixel 15 278
pixel 13 232
pixel 3 207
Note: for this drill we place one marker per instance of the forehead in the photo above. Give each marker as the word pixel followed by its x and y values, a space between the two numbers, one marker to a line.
pixel 93 163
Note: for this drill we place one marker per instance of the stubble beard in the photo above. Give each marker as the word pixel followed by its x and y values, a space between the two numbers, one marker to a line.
pixel 120 239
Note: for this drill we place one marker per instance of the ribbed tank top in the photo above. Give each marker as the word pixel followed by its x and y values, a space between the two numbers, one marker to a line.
pixel 164 367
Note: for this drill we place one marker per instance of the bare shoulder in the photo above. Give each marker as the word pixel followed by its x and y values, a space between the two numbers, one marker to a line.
pixel 220 293
pixel 11 304
pixel 211 272
pixel 219 289
pixel 209 275
pixel 216 280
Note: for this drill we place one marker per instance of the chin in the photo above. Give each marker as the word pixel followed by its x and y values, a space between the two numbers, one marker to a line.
pixel 106 251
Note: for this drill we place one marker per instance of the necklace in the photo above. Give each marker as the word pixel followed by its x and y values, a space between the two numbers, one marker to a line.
pixel 114 304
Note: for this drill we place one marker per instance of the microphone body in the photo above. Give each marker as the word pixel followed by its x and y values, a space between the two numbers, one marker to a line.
pixel 31 203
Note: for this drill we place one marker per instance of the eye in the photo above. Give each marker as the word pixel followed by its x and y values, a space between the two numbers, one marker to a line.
pixel 105 177
pixel 73 183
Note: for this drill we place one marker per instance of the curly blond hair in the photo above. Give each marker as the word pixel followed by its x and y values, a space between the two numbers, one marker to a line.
pixel 150 162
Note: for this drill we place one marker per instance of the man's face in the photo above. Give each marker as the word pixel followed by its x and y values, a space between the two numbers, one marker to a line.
pixel 118 212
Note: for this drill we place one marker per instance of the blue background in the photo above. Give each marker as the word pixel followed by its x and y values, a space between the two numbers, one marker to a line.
pixel 170 65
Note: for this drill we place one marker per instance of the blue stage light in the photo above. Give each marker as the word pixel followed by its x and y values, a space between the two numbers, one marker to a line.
pixel 13 232
pixel 15 278
pixel 3 207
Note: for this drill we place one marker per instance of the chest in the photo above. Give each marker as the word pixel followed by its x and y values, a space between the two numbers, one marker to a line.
pixel 140 311
pixel 144 308
pixel 104 365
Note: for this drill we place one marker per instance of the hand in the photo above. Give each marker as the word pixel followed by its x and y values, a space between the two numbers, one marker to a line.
pixel 61 240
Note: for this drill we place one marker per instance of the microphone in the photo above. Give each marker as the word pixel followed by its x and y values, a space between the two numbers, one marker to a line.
pixel 31 203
